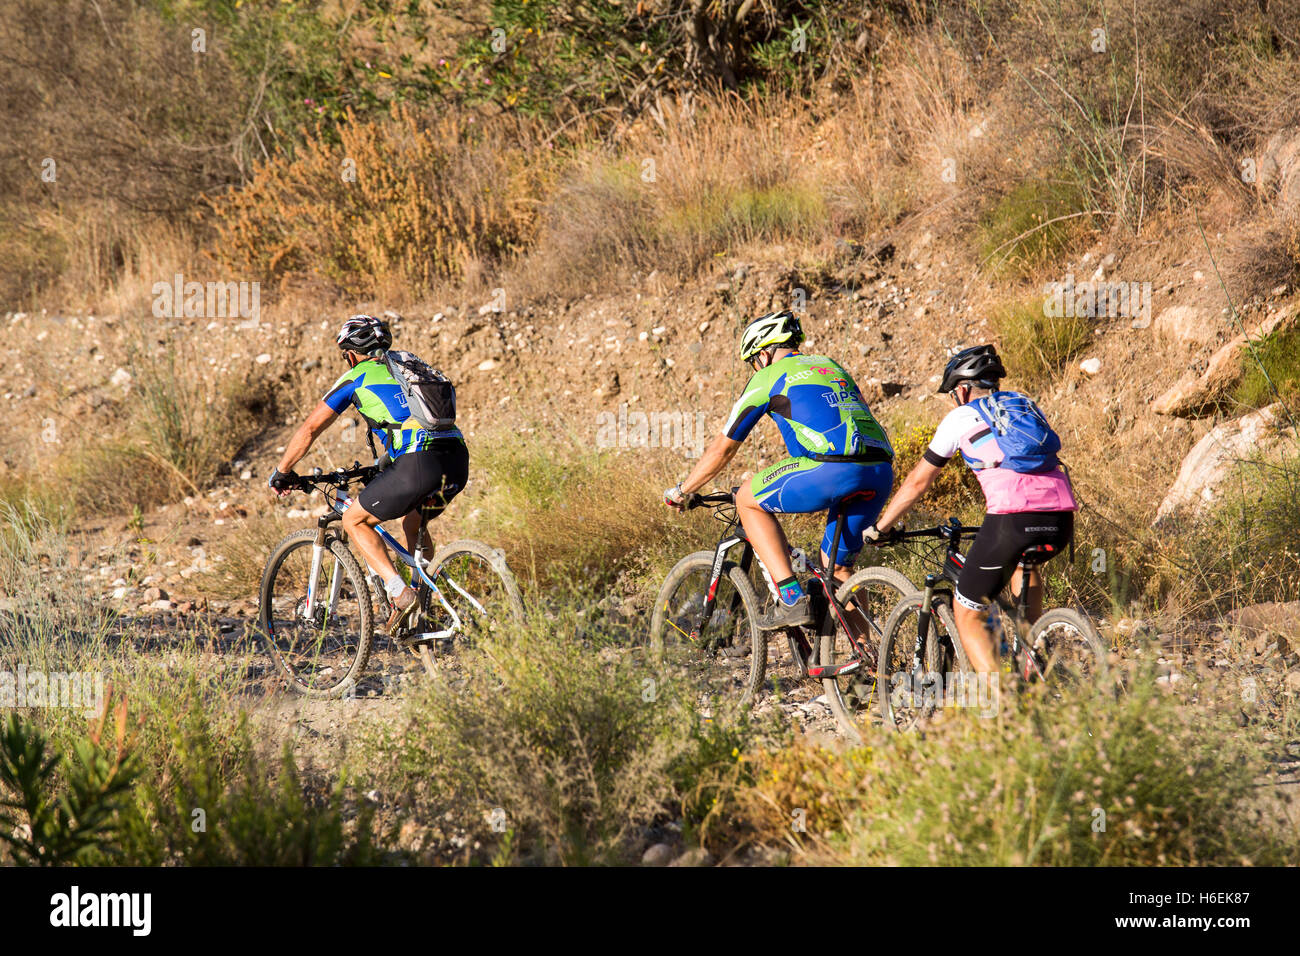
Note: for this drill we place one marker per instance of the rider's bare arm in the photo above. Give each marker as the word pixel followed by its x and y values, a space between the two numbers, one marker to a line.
pixel 319 420
pixel 917 483
pixel 715 458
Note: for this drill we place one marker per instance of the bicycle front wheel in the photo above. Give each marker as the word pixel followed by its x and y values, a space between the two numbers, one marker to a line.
pixel 913 662
pixel 868 597
pixel 478 585
pixel 318 633
pixel 724 658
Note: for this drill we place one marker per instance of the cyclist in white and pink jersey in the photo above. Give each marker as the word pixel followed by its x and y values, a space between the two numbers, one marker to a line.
pixel 1029 501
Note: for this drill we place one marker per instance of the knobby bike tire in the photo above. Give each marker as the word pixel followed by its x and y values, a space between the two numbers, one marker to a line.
pixel 1087 631
pixel 495 559
pixel 885 580
pixel 702 561
pixel 306 538
pixel 901 634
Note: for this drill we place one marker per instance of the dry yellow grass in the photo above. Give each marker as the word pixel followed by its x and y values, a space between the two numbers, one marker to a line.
pixel 389 209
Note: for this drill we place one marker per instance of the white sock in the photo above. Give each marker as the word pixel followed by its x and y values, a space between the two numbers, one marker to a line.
pixel 394 585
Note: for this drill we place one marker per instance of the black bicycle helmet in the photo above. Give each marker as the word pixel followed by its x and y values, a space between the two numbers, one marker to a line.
pixel 978 365
pixel 365 334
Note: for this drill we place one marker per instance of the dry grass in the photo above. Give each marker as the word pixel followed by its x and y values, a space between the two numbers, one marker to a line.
pixel 183 426
pixel 390 208
pixel 576 519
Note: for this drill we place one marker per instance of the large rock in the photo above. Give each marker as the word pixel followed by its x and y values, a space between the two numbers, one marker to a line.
pixel 1271 622
pixel 1211 461
pixel 1278 174
pixel 1186 325
pixel 1199 394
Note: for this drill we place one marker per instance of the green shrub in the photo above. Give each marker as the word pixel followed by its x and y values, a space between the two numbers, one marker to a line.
pixel 1271 371
pixel 58 811
pixel 567 748
pixel 220 803
pixel 1144 779
pixel 1032 224
pixel 1035 346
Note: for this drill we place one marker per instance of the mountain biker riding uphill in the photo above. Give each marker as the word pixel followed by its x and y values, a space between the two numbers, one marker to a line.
pixel 414 416
pixel 1004 437
pixel 840 458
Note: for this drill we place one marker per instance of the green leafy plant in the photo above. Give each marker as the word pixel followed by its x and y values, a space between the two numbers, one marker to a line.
pixel 57 811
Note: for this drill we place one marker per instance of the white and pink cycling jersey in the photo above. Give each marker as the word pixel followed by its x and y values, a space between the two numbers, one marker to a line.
pixel 1005 491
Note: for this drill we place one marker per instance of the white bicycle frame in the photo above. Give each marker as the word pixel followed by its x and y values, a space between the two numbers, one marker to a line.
pixel 414 561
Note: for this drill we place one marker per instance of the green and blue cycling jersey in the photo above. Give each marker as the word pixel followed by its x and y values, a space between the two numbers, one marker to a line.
pixel 816 406
pixel 821 414
pixel 371 389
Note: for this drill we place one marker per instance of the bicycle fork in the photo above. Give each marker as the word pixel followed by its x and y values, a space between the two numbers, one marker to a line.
pixel 318 550
pixel 923 616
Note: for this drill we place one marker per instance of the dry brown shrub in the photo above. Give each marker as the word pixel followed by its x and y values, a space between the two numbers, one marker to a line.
pixel 429 199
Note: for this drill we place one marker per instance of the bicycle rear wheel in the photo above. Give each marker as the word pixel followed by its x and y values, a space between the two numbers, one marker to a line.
pixel 475 580
pixel 911 681
pixel 1068 649
pixel 727 657
pixel 321 654
pixel 868 597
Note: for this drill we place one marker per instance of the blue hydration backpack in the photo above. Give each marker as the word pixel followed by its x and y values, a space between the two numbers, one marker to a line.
pixel 1027 442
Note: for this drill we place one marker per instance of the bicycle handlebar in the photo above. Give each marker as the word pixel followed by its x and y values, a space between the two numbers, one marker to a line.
pixel 947 531
pixel 717 498
pixel 339 477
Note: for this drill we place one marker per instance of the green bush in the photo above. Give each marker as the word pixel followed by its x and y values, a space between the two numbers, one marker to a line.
pixel 56 810
pixel 551 749
pixel 1074 780
pixel 1271 371
pixel 1028 227
pixel 221 804
pixel 1035 346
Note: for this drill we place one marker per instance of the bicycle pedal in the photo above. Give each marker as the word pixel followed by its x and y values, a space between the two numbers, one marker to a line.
pixel 823 671
pixel 424 637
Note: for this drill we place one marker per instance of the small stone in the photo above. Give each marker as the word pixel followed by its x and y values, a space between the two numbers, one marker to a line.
pixel 245 475
pixel 487 365
pixel 154 594
pixel 120 377
pixel 1091 365
pixel 696 856
pixel 264 358
pixel 161 605
pixel 657 854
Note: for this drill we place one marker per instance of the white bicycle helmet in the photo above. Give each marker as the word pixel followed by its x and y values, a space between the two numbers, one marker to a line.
pixel 775 328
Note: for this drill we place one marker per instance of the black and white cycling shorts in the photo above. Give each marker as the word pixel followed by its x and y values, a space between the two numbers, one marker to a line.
pixel 997 548
pixel 441 469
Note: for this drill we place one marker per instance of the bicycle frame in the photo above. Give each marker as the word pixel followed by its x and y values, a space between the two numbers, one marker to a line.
pixel 414 561
pixel 734 535
pixel 1019 611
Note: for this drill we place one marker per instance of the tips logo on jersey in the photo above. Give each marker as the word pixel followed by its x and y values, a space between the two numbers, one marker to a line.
pixel 844 392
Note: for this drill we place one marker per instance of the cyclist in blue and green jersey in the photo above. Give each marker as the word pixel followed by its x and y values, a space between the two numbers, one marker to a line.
pixel 840 457
pixel 423 463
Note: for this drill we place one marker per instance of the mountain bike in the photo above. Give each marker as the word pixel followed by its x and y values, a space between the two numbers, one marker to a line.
pixel 923 663
pixel 709 607
pixel 315 604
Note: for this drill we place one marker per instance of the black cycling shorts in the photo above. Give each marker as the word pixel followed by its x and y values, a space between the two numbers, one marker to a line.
pixel 441 469
pixel 997 547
